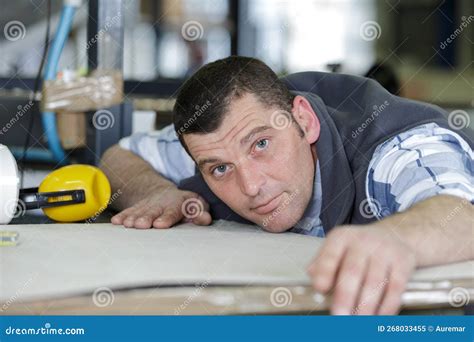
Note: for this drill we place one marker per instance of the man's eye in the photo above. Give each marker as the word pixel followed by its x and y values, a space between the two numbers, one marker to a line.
pixel 219 170
pixel 261 144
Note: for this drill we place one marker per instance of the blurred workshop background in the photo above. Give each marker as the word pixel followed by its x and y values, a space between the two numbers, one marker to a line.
pixel 112 67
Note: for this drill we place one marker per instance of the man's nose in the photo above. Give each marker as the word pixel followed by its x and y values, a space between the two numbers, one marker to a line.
pixel 251 180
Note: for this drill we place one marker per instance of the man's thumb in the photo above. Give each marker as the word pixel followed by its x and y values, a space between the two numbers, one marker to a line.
pixel 196 210
pixel 204 219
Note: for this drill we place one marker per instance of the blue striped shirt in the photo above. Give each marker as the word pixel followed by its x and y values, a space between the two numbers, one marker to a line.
pixel 418 164
pixel 415 165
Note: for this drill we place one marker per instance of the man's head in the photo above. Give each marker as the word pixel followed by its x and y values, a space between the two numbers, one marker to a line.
pixel 251 139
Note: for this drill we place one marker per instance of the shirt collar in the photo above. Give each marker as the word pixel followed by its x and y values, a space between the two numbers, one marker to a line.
pixel 310 223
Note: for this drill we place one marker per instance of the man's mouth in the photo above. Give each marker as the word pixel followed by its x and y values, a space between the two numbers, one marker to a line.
pixel 269 206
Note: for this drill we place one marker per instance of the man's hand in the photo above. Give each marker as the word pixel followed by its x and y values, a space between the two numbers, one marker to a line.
pixel 164 209
pixel 366 269
pixel 148 199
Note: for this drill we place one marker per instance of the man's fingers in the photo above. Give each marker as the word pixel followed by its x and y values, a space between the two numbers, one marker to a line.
pixel 129 221
pixel 393 295
pixel 129 215
pixel 145 216
pixel 169 217
pixel 362 282
pixel 349 280
pixel 204 219
pixel 164 212
pixel 138 216
pixel 118 218
pixel 324 267
pixel 204 202
pixel 373 288
pixel 144 221
pixel 121 216
pixel 195 210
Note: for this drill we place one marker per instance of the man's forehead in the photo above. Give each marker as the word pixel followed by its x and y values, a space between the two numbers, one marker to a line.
pixel 244 115
pixel 207 153
pixel 237 134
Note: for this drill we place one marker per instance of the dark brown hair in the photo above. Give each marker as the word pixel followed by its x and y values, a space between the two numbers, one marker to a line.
pixel 204 99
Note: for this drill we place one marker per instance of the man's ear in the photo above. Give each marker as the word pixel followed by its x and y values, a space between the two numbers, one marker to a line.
pixel 306 118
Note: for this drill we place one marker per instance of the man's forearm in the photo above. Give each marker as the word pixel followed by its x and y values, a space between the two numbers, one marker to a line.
pixel 439 230
pixel 133 176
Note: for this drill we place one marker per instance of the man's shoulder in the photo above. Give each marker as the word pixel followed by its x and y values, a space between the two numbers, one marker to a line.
pixel 316 81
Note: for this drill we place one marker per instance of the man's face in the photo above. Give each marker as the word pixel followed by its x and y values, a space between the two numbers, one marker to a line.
pixel 259 163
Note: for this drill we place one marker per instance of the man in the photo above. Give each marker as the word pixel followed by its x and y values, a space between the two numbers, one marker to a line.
pixel 313 153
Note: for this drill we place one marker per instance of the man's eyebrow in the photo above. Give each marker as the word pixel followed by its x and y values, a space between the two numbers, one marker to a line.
pixel 244 140
pixel 253 132
pixel 203 162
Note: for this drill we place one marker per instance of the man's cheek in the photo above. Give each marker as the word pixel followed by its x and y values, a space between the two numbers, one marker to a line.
pixel 227 194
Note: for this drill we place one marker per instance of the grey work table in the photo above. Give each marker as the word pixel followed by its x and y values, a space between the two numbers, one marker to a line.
pixel 226 268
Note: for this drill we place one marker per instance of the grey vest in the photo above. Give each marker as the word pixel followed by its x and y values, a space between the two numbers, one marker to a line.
pixel 356 115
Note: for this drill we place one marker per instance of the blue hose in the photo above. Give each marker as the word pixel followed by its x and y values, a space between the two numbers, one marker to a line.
pixel 49 118
pixel 32 154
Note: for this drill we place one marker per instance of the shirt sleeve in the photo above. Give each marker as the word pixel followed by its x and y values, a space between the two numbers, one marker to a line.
pixel 163 150
pixel 418 164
